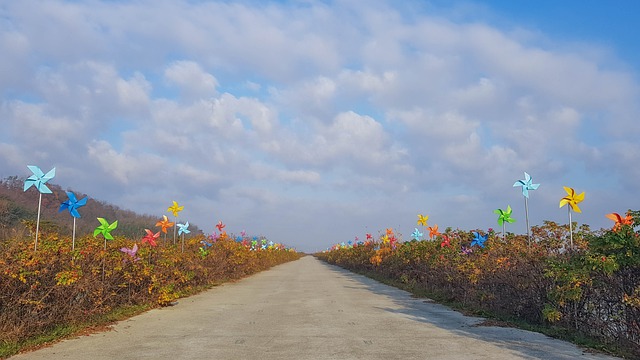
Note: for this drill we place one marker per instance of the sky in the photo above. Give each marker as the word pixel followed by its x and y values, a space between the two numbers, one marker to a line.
pixel 313 122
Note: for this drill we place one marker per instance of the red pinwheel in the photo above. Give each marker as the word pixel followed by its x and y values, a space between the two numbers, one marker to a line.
pixel 220 226
pixel 151 237
pixel 446 242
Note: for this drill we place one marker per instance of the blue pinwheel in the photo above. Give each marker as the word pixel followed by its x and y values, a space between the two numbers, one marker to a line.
pixel 39 180
pixel 183 229
pixel 416 234
pixel 479 239
pixel 527 184
pixel 73 204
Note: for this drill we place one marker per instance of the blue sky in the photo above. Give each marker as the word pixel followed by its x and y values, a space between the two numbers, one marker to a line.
pixel 312 122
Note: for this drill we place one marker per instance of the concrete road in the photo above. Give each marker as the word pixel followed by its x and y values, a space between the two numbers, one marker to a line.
pixel 307 310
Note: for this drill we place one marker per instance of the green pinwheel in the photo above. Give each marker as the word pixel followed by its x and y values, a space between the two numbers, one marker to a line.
pixel 504 216
pixel 105 229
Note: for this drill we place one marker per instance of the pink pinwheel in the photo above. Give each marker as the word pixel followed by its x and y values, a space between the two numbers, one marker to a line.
pixel 131 252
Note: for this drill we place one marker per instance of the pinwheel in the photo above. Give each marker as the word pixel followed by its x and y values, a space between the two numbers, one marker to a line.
pixel 478 239
pixel 164 224
pixel 73 204
pixel 369 237
pixel 467 250
pixel 175 209
pixel 445 241
pixel 422 219
pixel 151 237
pixel 131 252
pixel 220 226
pixel 619 220
pixel 433 231
pixel 527 184
pixel 504 216
pixel 105 229
pixel 572 200
pixel 183 229
pixel 416 234
pixel 38 180
pixel 203 252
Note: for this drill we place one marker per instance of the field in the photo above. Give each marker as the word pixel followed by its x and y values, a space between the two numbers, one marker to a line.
pixel 588 292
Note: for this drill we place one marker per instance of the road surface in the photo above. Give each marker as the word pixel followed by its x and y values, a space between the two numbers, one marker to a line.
pixel 307 309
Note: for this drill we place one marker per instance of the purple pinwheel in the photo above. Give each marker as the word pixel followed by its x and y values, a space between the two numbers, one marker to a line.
pixel 131 252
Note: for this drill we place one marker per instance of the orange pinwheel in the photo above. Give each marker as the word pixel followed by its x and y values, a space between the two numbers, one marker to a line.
pixel 433 231
pixel 389 231
pixel 572 199
pixel 619 220
pixel 164 224
pixel 151 237
pixel 422 219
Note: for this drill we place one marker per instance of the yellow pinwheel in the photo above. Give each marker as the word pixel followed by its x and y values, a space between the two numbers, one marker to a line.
pixel 572 199
pixel 422 219
pixel 175 209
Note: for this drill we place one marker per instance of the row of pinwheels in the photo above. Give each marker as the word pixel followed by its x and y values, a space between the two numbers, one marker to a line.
pixel 38 179
pixel 572 199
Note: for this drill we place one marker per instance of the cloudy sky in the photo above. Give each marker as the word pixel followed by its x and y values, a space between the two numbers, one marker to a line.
pixel 312 122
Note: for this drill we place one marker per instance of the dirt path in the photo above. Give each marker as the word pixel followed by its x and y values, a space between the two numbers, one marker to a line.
pixel 307 309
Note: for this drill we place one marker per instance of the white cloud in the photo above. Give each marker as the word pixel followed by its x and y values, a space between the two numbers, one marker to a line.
pixel 192 80
pixel 318 113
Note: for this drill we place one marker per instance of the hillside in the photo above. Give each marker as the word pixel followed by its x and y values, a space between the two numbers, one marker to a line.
pixel 18 211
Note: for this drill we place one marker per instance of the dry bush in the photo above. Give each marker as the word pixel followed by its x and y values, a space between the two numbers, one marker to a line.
pixel 57 286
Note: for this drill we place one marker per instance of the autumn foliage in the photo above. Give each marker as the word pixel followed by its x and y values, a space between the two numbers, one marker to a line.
pixel 57 286
pixel 592 289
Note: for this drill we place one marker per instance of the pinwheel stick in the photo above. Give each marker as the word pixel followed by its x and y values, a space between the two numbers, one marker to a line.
pixel 182 242
pixel 35 247
pixel 570 228
pixel 503 231
pixel 73 236
pixel 175 229
pixel 526 214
